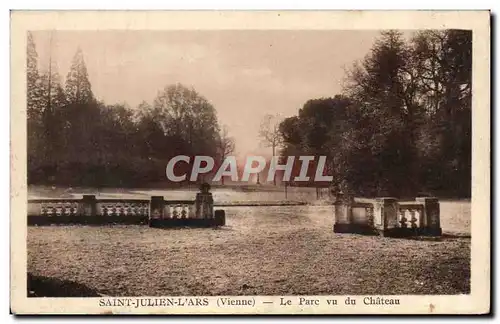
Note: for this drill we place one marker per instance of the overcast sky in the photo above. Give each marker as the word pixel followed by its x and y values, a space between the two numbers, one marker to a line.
pixel 244 74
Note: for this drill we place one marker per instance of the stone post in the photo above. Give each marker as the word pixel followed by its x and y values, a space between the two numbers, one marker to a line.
pixel 220 217
pixel 343 214
pixel 431 217
pixel 385 216
pixel 156 207
pixel 204 202
pixel 88 206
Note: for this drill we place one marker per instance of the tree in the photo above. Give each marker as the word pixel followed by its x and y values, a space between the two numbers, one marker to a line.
pixel 410 120
pixel 444 83
pixel 34 109
pixel 269 133
pixel 152 140
pixel 317 130
pixel 383 88
pixel 54 125
pixel 79 124
pixel 33 84
pixel 226 146
pixel 188 119
pixel 78 89
pixel 87 142
pixel 53 92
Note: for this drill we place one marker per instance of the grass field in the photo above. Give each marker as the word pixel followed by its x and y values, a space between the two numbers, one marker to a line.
pixel 262 250
pixel 221 195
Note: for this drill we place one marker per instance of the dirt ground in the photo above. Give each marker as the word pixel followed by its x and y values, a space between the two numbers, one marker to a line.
pixel 262 251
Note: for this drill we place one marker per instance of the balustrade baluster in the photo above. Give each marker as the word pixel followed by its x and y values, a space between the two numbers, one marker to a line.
pixel 413 219
pixel 402 215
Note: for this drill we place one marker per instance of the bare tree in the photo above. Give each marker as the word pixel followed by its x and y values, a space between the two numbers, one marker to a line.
pixel 270 134
pixel 225 145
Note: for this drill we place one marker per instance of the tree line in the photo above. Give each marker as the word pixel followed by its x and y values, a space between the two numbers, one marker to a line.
pixel 75 139
pixel 402 124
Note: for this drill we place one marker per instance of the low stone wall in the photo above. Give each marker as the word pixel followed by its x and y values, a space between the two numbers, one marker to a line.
pixel 157 212
pixel 388 217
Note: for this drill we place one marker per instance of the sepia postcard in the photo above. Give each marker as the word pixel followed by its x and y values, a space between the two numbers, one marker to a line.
pixel 250 162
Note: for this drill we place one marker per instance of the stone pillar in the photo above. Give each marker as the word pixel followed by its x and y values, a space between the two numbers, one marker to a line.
pixel 220 217
pixel 385 216
pixel 204 202
pixel 156 207
pixel 432 221
pixel 343 214
pixel 88 206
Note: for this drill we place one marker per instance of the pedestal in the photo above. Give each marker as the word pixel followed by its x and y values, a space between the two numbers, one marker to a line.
pixel 432 225
pixel 156 207
pixel 204 205
pixel 343 214
pixel 386 215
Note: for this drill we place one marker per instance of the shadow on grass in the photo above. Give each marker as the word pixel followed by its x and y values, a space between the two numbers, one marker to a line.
pixel 443 237
pixel 261 203
pixel 39 286
pixel 208 228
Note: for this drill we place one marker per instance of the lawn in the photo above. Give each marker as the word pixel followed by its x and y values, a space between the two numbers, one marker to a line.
pixel 262 251
pixel 221 194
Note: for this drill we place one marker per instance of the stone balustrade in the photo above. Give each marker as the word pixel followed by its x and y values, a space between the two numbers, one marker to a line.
pixel 157 212
pixel 387 216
